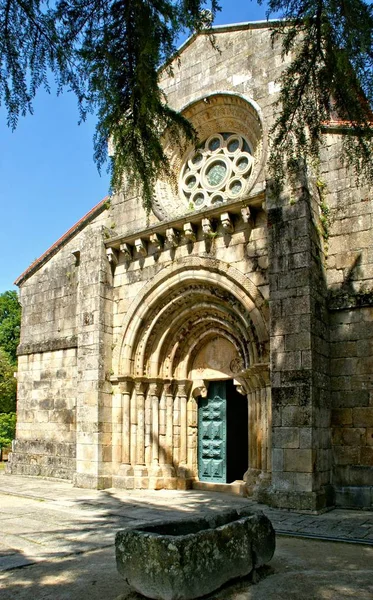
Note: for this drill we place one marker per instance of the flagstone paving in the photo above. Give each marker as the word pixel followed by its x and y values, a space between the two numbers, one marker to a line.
pixel 50 524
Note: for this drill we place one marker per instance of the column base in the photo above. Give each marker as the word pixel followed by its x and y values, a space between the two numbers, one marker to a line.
pixel 124 478
pixel 251 479
pixel 141 477
pixel 156 478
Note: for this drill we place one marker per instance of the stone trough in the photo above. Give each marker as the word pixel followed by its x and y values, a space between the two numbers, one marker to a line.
pixel 189 558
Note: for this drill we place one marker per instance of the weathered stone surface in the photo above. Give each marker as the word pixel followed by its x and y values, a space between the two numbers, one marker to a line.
pixel 128 315
pixel 182 560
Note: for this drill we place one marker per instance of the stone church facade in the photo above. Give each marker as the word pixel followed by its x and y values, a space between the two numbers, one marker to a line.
pixel 226 341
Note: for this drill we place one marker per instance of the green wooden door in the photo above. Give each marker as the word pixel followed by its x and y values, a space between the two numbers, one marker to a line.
pixel 212 434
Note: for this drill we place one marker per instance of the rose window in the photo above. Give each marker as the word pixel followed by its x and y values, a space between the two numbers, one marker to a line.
pixel 219 170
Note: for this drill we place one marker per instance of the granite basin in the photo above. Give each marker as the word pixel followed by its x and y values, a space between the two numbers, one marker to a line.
pixel 189 558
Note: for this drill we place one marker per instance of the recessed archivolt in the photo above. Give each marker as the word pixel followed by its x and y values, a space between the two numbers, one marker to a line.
pixel 228 293
pixel 173 360
pixel 179 319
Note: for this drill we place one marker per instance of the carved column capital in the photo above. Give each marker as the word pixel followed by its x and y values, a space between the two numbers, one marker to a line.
pixel 155 388
pixel 126 386
pixel 182 388
pixel 140 386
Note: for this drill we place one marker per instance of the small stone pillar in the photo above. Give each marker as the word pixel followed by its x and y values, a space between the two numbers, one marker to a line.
pixel 155 472
pixel 140 470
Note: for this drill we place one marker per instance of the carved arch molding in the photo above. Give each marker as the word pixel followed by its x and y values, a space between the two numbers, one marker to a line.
pixel 197 320
pixel 181 310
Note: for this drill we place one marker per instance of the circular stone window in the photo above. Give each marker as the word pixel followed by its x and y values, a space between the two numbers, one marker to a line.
pixel 217 171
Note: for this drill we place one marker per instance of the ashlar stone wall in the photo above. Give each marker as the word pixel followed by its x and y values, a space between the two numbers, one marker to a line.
pixel 349 277
pixel 61 313
pixel 107 383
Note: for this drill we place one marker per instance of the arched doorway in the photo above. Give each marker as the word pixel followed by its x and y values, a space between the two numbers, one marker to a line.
pixel 196 323
pixel 222 434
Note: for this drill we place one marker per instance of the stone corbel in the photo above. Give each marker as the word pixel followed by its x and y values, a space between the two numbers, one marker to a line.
pixel 240 387
pixel 126 249
pixel 246 214
pixel 227 223
pixel 140 246
pixel 112 256
pixel 157 241
pixel 189 232
pixel 172 237
pixel 207 228
pixel 200 388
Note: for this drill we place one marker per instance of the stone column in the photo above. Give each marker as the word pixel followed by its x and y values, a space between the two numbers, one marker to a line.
pixel 126 389
pixel 123 477
pixel 133 426
pixel 182 470
pixel 182 393
pixel 140 470
pixel 148 428
pixel 176 432
pixel 168 470
pixel 140 406
pixel 192 410
pixel 162 427
pixel 169 422
pixel 155 472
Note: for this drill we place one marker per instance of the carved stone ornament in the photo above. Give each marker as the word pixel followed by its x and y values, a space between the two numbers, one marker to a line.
pixel 207 228
pixel 126 249
pixel 246 214
pixel 218 171
pixel 236 364
pixel 227 223
pixel 172 237
pixel 156 240
pixel 112 256
pixel 140 246
pixel 189 233
pixel 200 388
pixel 225 165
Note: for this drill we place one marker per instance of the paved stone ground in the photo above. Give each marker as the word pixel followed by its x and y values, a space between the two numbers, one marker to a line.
pixel 64 537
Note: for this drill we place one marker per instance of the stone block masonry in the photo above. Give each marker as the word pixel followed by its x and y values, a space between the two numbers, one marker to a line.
pixel 224 340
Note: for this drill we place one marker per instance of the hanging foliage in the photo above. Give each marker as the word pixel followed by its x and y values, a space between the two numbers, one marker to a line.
pixel 108 52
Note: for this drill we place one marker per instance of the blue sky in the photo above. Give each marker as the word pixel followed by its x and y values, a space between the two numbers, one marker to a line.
pixel 48 177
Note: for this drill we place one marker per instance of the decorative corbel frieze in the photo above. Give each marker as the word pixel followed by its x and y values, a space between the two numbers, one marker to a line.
pixel 112 256
pixel 140 246
pixel 189 232
pixel 227 223
pixel 157 241
pixel 126 249
pixel 172 237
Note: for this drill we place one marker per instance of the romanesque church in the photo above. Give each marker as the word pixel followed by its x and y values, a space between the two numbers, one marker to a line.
pixel 225 341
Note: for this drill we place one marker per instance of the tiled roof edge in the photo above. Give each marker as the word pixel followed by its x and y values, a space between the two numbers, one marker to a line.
pixel 94 212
